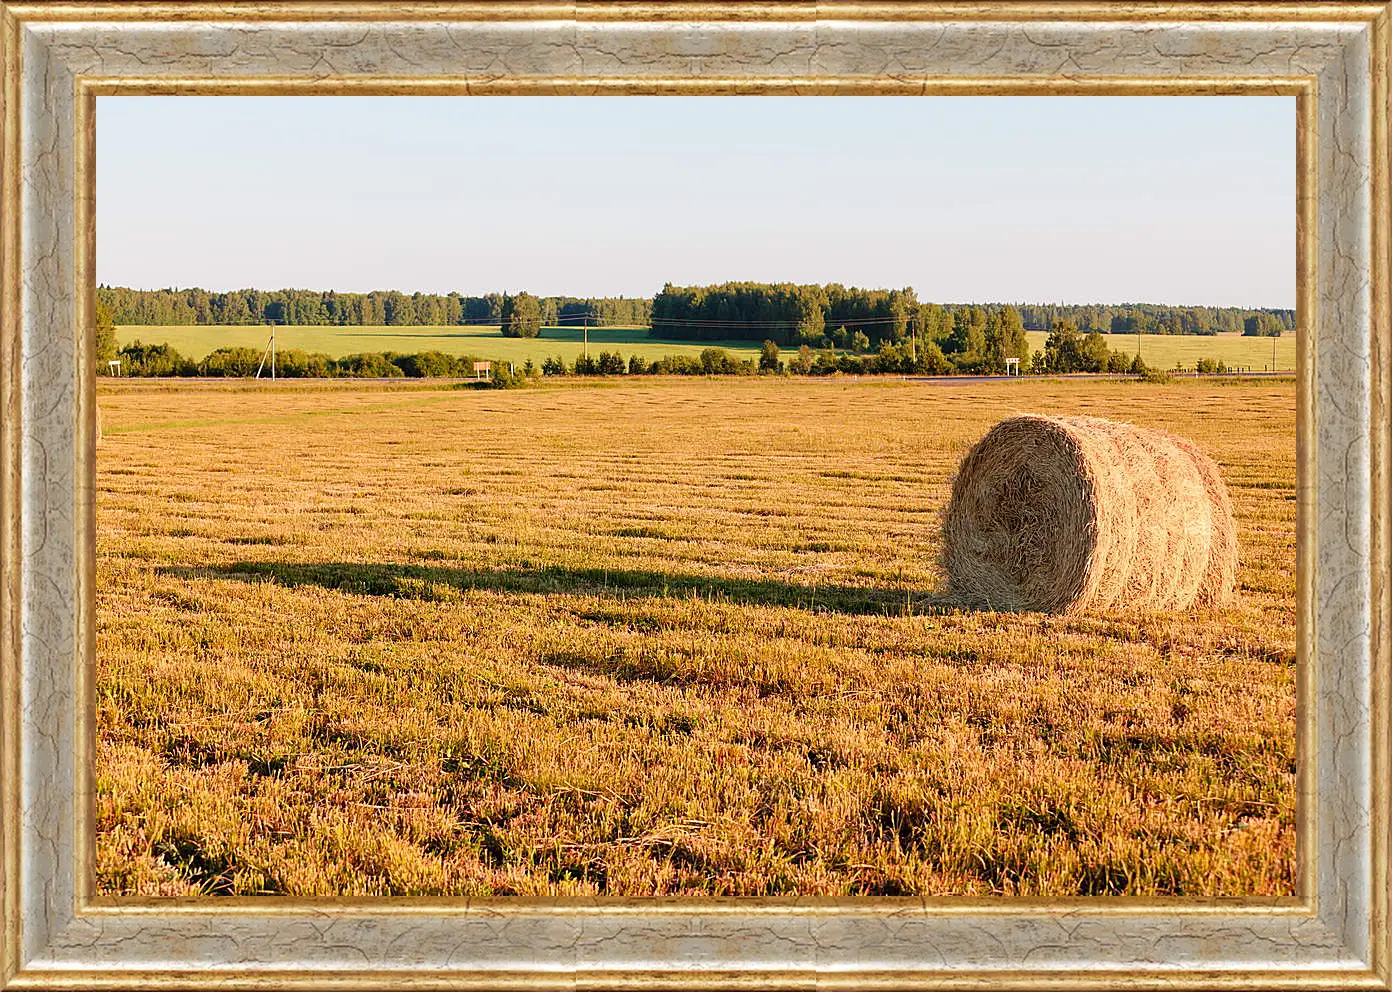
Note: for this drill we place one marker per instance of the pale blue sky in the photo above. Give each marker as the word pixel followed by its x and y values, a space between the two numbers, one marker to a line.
pixel 1184 200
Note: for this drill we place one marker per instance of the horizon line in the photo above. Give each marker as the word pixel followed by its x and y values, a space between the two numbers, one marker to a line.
pixel 572 296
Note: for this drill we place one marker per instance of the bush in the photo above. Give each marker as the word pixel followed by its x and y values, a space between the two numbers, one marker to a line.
pixel 154 359
pixel 931 360
pixel 802 364
pixel 368 365
pixel 718 361
pixel 434 364
pixel 636 366
pixel 298 364
pixel 611 364
pixel 768 357
pixel 553 366
pixel 503 379
pixel 1118 362
pixel 678 365
pixel 236 362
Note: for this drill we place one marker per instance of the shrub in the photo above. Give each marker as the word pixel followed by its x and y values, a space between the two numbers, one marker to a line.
pixel 931 360
pixel 368 365
pixel 611 363
pixel 768 357
pixel 154 359
pixel 679 365
pixel 718 361
pixel 636 366
pixel 1118 362
pixel 298 364
pixel 236 362
pixel 503 379
pixel 434 364
pixel 802 364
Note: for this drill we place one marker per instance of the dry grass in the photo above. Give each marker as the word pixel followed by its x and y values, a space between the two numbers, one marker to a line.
pixel 659 637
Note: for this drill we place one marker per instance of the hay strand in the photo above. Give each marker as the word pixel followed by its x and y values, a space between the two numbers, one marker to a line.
pixel 1062 514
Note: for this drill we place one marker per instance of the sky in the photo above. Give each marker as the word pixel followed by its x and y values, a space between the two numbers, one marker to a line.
pixel 1178 200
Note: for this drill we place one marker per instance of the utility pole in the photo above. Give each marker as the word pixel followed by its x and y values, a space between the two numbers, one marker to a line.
pixel 587 335
pixel 1273 351
pixel 270 351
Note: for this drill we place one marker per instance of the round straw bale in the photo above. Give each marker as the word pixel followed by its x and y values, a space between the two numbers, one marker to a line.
pixel 1061 514
pixel 1219 585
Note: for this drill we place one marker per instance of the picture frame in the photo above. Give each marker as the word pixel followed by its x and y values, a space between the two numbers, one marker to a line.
pixel 58 58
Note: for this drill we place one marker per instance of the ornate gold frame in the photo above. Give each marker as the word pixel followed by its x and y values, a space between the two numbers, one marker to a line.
pixel 33 496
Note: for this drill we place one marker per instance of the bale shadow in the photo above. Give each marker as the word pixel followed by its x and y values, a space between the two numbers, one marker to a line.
pixel 424 582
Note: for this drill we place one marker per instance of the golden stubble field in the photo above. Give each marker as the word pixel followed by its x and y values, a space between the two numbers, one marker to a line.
pixel 659 637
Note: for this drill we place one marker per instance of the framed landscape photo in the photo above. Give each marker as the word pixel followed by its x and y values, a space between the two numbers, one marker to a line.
pixel 608 571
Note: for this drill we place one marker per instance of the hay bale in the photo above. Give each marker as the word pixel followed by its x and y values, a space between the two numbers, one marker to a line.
pixel 1061 514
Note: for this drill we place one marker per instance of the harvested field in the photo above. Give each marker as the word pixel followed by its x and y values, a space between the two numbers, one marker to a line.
pixel 659 637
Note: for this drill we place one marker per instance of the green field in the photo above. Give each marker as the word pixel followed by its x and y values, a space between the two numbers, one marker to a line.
pixel 198 340
pixel 1164 350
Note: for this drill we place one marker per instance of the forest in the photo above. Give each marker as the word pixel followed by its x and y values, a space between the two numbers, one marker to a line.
pixel 821 316
pixel 380 308
pixel 836 316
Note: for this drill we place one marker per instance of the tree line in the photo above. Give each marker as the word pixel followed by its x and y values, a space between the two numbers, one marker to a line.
pixel 380 308
pixel 863 319
pixel 819 316
pixel 1149 318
